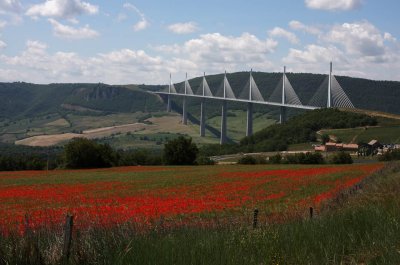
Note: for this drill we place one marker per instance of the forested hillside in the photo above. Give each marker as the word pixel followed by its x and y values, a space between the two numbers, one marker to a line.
pixel 300 129
pixel 19 100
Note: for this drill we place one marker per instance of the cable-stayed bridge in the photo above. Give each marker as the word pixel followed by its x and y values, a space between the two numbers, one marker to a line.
pixel 329 94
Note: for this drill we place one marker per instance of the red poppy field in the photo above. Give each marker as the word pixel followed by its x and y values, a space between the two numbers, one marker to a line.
pixel 176 195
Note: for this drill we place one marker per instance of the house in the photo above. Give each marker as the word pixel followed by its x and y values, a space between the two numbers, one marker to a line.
pixel 374 144
pixel 350 147
pixel 332 147
pixel 319 148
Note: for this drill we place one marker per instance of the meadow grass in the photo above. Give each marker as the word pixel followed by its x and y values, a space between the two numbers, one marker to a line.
pixel 357 228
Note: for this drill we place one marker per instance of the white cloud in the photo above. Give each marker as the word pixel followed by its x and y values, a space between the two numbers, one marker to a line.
pixel 2 24
pixel 387 36
pixel 216 52
pixel 36 64
pixel 211 52
pixel 358 38
pixel 314 54
pixel 13 6
pixel 183 28
pixel 280 32
pixel 297 25
pixel 62 9
pixel 68 32
pixel 2 44
pixel 334 5
pixel 143 23
pixel 357 49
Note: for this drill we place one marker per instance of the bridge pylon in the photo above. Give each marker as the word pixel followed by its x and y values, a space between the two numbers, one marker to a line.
pixel 184 107
pixel 202 110
pixel 282 116
pixel 249 127
pixel 329 102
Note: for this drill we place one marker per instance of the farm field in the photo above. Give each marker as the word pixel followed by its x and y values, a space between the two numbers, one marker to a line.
pixel 389 134
pixel 358 227
pixel 176 195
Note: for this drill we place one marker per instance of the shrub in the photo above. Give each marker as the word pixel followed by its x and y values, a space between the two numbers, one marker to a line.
pixel 204 160
pixel 307 158
pixel 275 159
pixel 391 155
pixel 85 153
pixel 341 158
pixel 180 151
pixel 247 160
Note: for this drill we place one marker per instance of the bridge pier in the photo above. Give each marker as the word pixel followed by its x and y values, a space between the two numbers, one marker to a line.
pixel 223 122
pixel 184 111
pixel 282 116
pixel 168 103
pixel 249 129
pixel 202 119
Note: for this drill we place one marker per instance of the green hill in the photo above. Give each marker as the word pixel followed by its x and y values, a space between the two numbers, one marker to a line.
pixel 19 100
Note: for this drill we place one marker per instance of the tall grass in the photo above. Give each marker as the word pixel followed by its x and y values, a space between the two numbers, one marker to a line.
pixel 362 228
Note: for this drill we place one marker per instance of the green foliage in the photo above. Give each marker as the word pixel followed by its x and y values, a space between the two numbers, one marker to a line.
pixel 85 153
pixel 247 160
pixel 22 162
pixel 303 128
pixel 204 160
pixel 180 151
pixel 275 159
pixel 307 158
pixel 138 157
pixel 341 158
pixel 324 138
pixel 391 155
pixel 19 157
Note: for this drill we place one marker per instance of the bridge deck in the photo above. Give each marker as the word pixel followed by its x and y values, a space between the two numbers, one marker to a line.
pixel 241 100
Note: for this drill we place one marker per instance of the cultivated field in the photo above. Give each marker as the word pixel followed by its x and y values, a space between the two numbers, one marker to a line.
pixel 203 215
pixel 177 195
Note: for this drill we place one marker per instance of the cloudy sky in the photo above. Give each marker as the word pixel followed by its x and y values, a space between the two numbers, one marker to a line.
pixel 142 41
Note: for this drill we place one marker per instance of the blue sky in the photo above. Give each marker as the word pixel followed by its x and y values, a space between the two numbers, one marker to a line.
pixel 138 41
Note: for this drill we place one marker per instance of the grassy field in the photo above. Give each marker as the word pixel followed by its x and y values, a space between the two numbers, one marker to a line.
pixel 237 123
pixel 382 134
pixel 204 215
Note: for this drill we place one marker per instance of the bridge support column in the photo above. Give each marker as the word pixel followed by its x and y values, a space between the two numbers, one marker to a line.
pixel 282 117
pixel 184 111
pixel 202 119
pixel 249 129
pixel 168 103
pixel 223 123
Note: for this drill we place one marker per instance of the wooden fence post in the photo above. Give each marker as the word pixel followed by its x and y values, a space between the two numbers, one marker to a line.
pixel 27 226
pixel 311 212
pixel 255 216
pixel 69 222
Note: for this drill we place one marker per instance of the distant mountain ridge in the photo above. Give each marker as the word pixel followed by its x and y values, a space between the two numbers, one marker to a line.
pixel 21 99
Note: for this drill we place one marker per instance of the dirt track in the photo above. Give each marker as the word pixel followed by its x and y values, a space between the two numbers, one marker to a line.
pixel 48 140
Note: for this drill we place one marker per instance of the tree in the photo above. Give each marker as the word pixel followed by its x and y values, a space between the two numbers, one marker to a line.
pixel 341 158
pixel 85 153
pixel 324 138
pixel 180 151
